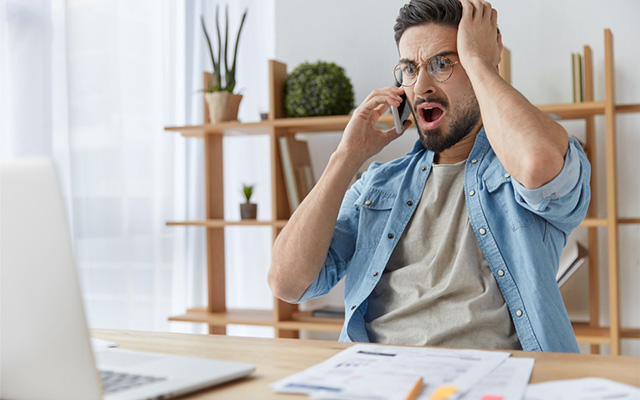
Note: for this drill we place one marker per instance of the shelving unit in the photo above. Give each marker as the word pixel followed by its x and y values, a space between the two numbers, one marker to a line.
pixel 285 318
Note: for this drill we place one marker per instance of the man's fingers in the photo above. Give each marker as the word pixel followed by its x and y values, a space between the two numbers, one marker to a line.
pixel 379 102
pixel 392 132
pixel 467 9
pixel 388 91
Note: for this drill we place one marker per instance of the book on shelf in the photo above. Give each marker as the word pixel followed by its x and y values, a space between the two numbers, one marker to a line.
pixel 296 166
pixel 572 257
pixel 577 77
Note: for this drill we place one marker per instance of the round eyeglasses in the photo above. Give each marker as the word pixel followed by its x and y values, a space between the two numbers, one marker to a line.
pixel 439 68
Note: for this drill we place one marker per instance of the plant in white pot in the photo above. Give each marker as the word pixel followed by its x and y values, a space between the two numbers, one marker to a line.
pixel 248 210
pixel 223 103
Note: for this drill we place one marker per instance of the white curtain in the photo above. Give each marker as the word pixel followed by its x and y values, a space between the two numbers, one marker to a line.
pixel 92 83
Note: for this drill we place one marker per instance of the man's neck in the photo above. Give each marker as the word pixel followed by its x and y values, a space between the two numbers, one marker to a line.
pixel 459 151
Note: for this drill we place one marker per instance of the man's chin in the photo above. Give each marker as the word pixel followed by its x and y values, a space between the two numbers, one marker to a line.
pixel 437 141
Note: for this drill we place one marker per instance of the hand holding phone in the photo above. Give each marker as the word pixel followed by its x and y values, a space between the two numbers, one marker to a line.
pixel 401 114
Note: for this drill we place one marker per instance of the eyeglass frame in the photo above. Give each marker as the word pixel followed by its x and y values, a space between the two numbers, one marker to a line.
pixel 419 66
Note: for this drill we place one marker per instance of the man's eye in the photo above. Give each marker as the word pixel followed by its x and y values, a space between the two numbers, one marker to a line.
pixel 437 64
pixel 409 69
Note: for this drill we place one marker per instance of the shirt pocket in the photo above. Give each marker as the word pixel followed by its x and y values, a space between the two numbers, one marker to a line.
pixel 374 207
pixel 498 184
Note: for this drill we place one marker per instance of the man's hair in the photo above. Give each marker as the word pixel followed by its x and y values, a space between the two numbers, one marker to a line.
pixel 420 12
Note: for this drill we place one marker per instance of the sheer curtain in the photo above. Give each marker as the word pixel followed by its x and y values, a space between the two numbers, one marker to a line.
pixel 92 83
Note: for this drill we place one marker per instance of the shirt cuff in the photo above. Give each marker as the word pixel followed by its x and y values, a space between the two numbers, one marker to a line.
pixel 559 186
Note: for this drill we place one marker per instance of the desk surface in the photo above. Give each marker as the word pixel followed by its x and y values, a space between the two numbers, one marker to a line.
pixel 278 358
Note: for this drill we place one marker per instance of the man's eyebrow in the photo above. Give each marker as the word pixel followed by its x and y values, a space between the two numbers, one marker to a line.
pixel 442 54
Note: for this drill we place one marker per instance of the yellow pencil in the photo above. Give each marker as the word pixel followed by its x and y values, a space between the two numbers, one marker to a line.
pixel 417 388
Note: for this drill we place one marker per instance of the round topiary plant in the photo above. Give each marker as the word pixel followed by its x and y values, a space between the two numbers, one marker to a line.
pixel 318 89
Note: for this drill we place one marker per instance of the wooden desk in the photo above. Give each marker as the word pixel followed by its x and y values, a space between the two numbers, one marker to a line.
pixel 278 358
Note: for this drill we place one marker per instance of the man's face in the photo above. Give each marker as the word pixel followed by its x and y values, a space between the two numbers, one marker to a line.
pixel 445 112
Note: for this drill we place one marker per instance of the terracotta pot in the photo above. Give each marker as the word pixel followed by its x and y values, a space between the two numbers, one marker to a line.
pixel 248 210
pixel 223 106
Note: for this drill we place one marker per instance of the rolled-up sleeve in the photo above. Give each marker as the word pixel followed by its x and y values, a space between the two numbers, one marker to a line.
pixel 564 200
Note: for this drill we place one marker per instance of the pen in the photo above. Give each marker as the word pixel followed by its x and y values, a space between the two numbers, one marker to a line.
pixel 417 388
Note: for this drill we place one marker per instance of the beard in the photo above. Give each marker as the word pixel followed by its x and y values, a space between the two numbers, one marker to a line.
pixel 461 122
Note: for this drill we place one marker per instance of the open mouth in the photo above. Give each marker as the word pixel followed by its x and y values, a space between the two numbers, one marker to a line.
pixel 430 115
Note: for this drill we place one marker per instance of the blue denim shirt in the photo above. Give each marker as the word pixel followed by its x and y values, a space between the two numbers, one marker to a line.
pixel 521 233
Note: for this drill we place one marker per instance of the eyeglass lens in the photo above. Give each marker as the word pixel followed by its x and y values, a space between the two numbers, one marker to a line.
pixel 439 67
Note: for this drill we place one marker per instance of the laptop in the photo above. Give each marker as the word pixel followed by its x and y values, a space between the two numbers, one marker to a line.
pixel 45 349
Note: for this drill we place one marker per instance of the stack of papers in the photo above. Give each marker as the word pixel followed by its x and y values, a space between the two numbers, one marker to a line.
pixel 376 372
pixel 391 372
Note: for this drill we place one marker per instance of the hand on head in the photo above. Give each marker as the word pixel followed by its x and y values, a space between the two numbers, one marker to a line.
pixel 478 37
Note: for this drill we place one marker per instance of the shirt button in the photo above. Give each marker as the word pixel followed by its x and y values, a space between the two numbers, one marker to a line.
pixel 409 203
pixel 353 308
pixel 375 274
pixel 519 313
pixel 424 169
pixel 474 161
pixel 390 236
pixel 500 272
pixel 507 175
pixel 367 203
pixel 482 231
pixel 472 192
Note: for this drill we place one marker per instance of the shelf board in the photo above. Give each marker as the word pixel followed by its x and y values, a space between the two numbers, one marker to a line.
pixel 601 334
pixel 332 123
pixel 337 123
pixel 591 334
pixel 585 109
pixel 591 222
pixel 231 316
pixel 231 128
pixel 594 222
pixel 302 320
pixel 220 223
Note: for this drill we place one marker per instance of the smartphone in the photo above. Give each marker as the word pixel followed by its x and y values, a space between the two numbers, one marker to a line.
pixel 401 114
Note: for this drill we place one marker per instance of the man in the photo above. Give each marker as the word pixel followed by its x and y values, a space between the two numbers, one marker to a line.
pixel 457 243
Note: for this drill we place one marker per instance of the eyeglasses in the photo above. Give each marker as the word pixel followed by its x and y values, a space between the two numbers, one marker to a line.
pixel 439 68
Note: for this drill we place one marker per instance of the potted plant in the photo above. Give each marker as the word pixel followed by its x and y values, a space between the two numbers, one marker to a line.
pixel 248 210
pixel 317 89
pixel 223 103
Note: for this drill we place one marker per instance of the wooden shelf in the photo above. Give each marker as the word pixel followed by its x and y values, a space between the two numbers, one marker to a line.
pixel 334 123
pixel 303 320
pixel 337 123
pixel 219 223
pixel 230 317
pixel 585 109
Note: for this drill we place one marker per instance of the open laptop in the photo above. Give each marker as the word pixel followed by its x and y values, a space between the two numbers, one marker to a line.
pixel 45 349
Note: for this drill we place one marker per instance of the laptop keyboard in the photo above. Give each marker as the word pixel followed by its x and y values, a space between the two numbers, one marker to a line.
pixel 113 382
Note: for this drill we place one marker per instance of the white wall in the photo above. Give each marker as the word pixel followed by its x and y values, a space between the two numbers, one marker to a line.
pixel 358 35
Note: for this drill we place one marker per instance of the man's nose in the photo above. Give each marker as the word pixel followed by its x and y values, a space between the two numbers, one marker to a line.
pixel 425 84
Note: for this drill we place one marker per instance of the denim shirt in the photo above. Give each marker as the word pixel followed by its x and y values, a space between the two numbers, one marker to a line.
pixel 521 232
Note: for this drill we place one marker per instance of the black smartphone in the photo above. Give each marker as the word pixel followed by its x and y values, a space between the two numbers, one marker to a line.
pixel 401 113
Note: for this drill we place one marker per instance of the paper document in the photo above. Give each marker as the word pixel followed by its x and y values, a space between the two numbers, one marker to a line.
pixel 582 389
pixel 507 382
pixel 390 371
